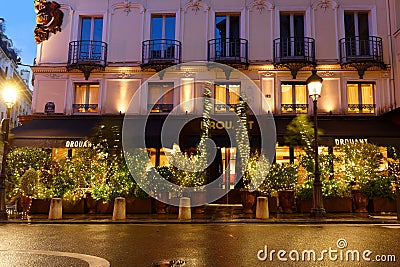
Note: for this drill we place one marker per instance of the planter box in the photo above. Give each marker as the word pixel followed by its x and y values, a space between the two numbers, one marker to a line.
pixel 338 204
pixel 74 208
pixel 104 207
pixel 380 204
pixel 41 206
pixel 138 205
pixel 272 204
pixel 304 206
pixel 286 200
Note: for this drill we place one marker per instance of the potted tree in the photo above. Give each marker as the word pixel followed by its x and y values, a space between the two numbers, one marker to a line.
pixel 361 163
pixel 27 188
pixel 304 196
pixel 336 195
pixel 161 191
pixel 255 180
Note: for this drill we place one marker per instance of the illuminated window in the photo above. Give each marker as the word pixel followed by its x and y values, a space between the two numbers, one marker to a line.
pixel 360 97
pixel 59 153
pixel 294 97
pixel 161 97
pixel 226 96
pixel 86 98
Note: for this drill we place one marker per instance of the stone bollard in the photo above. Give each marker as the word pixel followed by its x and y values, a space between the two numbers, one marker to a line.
pixel 262 211
pixel 55 212
pixel 119 212
pixel 184 209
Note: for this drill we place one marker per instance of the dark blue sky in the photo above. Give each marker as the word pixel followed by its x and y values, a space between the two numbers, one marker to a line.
pixel 20 22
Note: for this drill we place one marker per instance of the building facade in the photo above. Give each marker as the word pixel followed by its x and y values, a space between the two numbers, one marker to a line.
pixel 12 75
pixel 107 50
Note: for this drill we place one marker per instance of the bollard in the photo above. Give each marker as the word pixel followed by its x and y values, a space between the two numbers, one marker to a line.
pixel 119 212
pixel 262 211
pixel 55 212
pixel 184 209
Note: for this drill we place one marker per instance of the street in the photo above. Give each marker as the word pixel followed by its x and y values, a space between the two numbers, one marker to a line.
pixel 199 245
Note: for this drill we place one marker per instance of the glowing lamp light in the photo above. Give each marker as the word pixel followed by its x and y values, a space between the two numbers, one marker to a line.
pixel 314 84
pixel 9 96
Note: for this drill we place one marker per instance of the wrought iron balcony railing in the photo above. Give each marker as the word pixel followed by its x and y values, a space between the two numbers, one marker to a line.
pixel 228 51
pixel 158 108
pixel 294 49
pixel 294 108
pixel 161 51
pixel 87 56
pixel 357 49
pixel 85 108
pixel 225 107
pixel 361 108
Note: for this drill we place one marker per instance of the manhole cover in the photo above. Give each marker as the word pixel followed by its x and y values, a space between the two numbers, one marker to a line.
pixel 169 263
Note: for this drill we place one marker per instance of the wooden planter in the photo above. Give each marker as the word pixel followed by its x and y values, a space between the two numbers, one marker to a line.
pixel 138 205
pixel 198 197
pixel 160 203
pixel 338 204
pixel 74 207
pixel 360 202
pixel 248 201
pixel 104 207
pixel 380 204
pixel 286 200
pixel 39 206
pixel 304 206
pixel 272 204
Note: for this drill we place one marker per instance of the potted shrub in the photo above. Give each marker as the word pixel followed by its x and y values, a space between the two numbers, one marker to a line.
pixel 254 180
pixel 381 193
pixel 336 195
pixel 361 163
pixel 27 188
pixel 283 178
pixel 160 191
pixel 304 196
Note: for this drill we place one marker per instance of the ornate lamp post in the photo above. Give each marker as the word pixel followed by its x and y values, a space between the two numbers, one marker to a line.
pixel 9 95
pixel 314 84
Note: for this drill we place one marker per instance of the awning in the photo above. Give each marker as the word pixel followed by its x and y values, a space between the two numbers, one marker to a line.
pixel 54 132
pixel 338 129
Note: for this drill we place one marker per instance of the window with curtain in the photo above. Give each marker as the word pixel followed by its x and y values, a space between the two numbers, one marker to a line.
pixel 291 34
pixel 360 97
pixel 160 97
pixel 294 97
pixel 86 98
pixel 226 96
pixel 357 31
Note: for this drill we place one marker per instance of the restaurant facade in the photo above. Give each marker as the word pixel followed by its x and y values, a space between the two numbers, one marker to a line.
pixel 113 61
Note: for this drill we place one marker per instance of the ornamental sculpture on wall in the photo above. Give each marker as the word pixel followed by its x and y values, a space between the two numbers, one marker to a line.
pixel 48 19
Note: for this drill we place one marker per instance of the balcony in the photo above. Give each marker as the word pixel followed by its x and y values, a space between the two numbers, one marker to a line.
pixel 85 108
pixel 294 108
pixel 294 53
pixel 225 107
pixel 87 56
pixel 160 108
pixel 361 53
pixel 229 51
pixel 361 108
pixel 158 54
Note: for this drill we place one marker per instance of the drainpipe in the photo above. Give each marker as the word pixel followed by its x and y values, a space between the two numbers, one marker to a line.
pixel 390 45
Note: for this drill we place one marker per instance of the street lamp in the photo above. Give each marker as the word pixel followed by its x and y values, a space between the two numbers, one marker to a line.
pixel 314 84
pixel 9 96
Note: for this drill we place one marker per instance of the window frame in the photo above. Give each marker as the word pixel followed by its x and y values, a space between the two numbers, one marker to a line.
pixel 227 106
pixel 161 107
pixel 361 106
pixel 294 106
pixel 86 106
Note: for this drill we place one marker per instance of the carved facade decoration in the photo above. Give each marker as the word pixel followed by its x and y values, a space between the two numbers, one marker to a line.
pixel 324 4
pixel 49 19
pixel 195 6
pixel 127 6
pixel 260 5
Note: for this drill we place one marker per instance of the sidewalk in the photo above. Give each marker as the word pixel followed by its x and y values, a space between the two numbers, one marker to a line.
pixel 215 214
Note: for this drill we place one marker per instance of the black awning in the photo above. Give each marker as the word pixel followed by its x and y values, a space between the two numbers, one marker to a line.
pixel 376 129
pixel 49 132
